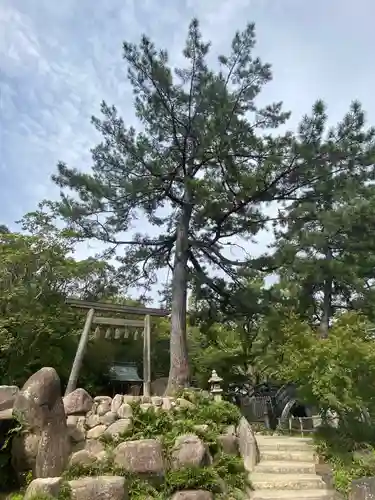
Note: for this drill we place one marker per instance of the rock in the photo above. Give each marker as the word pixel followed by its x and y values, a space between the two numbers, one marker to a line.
pixel 116 402
pixel 82 457
pixel 72 420
pixel 103 408
pixel 229 441
pixel 76 428
pixel 229 444
pixel 108 418
pixel 125 411
pixel 6 414
pixel 81 423
pixel 189 450
pixel 78 402
pixel 92 420
pixel 103 399
pixel 128 398
pixel 118 427
pixel 247 444
pixel 75 434
pixel 184 403
pixel 24 452
pixel 54 449
pixel 39 393
pixel 99 488
pixel 94 446
pixel 39 406
pixel 157 401
pixel 96 432
pixel 8 395
pixel 362 489
pixel 43 486
pixel 78 446
pixel 193 495
pixel 167 403
pixel 141 457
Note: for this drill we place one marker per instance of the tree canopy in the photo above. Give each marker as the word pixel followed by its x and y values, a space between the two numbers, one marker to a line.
pixel 188 189
pixel 200 168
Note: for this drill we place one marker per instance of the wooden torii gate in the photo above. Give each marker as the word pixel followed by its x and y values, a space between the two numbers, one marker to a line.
pixel 118 323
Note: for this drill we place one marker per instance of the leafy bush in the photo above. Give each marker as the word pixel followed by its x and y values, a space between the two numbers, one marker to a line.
pixel 349 458
pixel 337 372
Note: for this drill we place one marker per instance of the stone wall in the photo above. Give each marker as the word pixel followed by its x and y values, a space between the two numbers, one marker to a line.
pixel 61 433
pixel 90 418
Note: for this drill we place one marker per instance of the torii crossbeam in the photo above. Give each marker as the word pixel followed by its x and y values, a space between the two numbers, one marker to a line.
pixel 145 324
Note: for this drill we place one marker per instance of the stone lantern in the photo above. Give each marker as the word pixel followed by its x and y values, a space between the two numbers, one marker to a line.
pixel 215 386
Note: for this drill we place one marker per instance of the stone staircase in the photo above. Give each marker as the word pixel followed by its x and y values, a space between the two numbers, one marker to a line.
pixel 287 470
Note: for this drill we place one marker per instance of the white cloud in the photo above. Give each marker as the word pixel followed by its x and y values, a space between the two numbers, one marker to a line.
pixel 58 60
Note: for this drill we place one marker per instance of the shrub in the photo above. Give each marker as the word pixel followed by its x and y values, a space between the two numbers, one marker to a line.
pixel 348 458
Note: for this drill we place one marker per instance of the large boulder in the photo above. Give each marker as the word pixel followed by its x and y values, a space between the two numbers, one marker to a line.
pixel 78 402
pixel 125 411
pixel 118 427
pixel 363 489
pixel 228 441
pixel 47 486
pixel 76 428
pixel 82 457
pixel 247 445
pixel 99 488
pixel 117 402
pixel 189 450
pixel 39 408
pixel 143 457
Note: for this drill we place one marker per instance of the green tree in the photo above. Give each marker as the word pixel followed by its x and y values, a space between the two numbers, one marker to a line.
pixel 37 328
pixel 333 373
pixel 245 311
pixel 199 169
pixel 325 246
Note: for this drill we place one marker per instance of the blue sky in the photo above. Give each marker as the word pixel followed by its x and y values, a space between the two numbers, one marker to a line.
pixel 58 60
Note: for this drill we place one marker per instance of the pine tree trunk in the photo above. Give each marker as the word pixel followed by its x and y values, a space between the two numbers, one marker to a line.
pixel 179 373
pixel 327 298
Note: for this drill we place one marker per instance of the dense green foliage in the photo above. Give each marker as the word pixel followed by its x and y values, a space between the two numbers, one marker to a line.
pixel 336 373
pixel 350 451
pixel 322 231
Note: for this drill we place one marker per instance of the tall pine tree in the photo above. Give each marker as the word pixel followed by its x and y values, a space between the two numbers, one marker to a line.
pixel 324 245
pixel 199 170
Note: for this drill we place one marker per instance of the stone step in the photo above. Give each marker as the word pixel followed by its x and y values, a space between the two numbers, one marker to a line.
pixel 278 443
pixel 286 455
pixel 293 495
pixel 262 481
pixel 285 467
pixel 280 437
